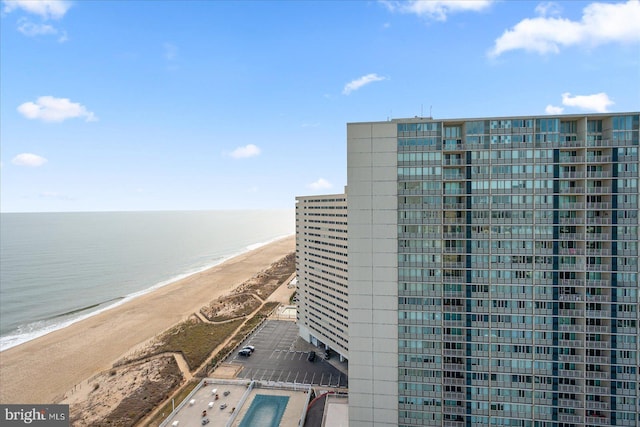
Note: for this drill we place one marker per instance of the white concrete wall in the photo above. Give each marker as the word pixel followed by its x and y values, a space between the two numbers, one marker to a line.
pixel 373 276
pixel 321 225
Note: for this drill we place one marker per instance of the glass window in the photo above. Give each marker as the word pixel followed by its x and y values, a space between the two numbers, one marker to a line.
pixel 452 131
pixel 547 125
pixel 594 126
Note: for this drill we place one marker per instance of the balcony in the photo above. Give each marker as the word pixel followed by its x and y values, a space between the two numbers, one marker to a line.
pixel 598 283
pixel 572 251
pixel 453 191
pixel 450 236
pixel 628 236
pixel 572 174
pixel 567 388
pixel 454 409
pixel 598 190
pixel 572 267
pixel 598 159
pixel 570 344
pixel 597 360
pixel 571 282
pixel 625 267
pixel 628 158
pixel 453 162
pixel 454 396
pixel 597 313
pixel 627 190
pixel 598 267
pixel 570 297
pixel 571 159
pixel 571 190
pixel 569 374
pixel 598 251
pixel 571 221
pixel 571 313
pixel 599 420
pixel 597 206
pixel 601 391
pixel 598 298
pixel 604 221
pixel 571 236
pixel 599 236
pixel 596 375
pixel 569 403
pixel 572 419
pixel 598 174
pixel 461 221
pixel 454 206
pixel 454 250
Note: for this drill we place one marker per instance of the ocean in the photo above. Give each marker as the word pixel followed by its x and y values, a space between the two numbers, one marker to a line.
pixel 58 268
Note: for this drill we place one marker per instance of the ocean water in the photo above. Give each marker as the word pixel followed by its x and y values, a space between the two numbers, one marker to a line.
pixel 58 268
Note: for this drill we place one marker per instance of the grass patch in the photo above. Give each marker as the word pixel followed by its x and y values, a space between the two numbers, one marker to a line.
pixel 195 340
pixel 164 412
pixel 136 406
pixel 267 281
pixel 230 307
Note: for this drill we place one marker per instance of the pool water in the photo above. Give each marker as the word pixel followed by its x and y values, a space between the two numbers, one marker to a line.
pixel 265 411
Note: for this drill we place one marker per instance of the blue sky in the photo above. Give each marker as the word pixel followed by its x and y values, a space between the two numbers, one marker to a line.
pixel 181 105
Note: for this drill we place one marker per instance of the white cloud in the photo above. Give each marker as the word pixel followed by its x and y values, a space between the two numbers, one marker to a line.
pixel 50 109
pixel 320 184
pixel 552 109
pixel 54 9
pixel 249 150
pixel 362 81
pixel 548 9
pixel 598 102
pixel 31 29
pixel 600 23
pixel 28 159
pixel 437 9
pixel 28 28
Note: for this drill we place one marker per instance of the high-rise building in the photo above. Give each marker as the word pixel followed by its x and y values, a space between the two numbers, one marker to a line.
pixel 493 271
pixel 321 267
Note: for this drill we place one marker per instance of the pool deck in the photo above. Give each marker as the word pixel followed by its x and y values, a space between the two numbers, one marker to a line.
pixel 292 414
pixel 238 401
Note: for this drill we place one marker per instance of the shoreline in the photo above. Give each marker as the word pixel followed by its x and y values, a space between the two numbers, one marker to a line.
pixel 40 370
pixel 13 340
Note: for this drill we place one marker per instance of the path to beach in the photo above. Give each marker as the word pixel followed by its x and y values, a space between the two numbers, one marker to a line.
pixel 41 370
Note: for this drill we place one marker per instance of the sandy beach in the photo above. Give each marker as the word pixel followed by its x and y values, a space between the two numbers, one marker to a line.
pixel 43 369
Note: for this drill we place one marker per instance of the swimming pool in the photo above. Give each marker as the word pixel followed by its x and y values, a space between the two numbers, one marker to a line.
pixel 265 411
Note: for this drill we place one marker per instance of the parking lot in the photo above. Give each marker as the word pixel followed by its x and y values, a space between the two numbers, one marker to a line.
pixel 281 355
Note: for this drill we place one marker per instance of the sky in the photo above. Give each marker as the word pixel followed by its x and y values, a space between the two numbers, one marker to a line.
pixel 197 105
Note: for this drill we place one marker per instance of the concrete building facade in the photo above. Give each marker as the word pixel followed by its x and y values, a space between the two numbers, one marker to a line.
pixel 493 271
pixel 321 267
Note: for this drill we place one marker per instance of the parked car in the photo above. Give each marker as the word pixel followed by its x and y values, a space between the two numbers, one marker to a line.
pixel 244 352
pixel 312 356
pixel 249 347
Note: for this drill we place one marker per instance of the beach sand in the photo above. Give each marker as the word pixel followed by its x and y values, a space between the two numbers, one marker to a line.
pixel 42 370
